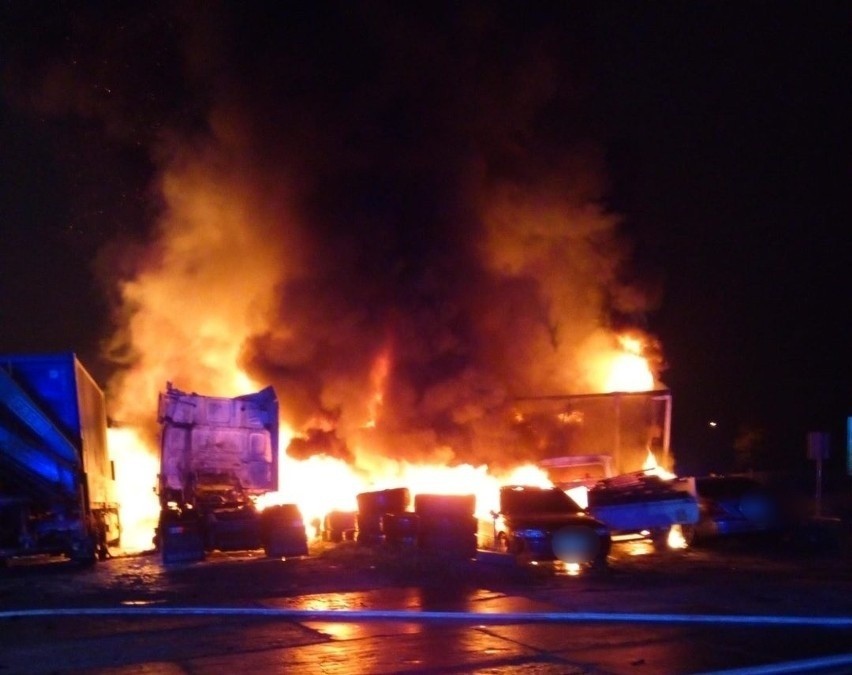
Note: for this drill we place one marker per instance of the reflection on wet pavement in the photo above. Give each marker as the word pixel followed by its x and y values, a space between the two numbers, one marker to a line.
pixel 412 599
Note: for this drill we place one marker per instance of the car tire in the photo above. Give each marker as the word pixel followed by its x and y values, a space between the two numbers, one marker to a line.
pixel 689 534
pixel 83 551
pixel 660 538
pixel 572 544
pixel 501 543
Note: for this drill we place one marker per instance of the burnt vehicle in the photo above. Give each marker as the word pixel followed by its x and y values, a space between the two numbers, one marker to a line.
pixel 638 504
pixel 734 505
pixel 218 455
pixel 545 524
pixel 644 504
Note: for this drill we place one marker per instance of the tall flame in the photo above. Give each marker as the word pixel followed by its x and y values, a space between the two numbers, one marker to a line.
pixel 630 370
pixel 378 378
pixel 652 467
pixel 136 471
pixel 618 362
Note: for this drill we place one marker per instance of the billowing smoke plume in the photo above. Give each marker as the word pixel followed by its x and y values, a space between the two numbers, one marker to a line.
pixel 394 216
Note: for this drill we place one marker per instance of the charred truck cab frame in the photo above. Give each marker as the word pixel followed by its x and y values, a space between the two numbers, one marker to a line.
pixel 600 442
pixel 217 455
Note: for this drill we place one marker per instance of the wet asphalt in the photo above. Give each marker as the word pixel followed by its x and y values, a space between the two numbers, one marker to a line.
pixel 348 608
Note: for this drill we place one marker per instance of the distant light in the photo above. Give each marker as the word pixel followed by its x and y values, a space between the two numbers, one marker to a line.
pixel 712 424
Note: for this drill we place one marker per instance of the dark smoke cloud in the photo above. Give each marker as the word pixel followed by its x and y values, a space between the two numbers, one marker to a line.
pixel 426 178
pixel 450 201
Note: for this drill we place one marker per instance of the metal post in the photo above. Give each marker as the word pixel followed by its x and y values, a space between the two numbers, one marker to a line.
pixel 667 428
pixel 818 496
pixel 819 448
pixel 617 449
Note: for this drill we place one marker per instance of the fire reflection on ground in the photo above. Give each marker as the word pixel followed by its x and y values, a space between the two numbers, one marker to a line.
pixel 432 598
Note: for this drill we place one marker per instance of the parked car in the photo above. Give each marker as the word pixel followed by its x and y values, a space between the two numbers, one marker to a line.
pixel 545 524
pixel 733 505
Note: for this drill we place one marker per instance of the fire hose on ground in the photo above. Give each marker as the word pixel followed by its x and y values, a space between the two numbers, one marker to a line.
pixel 490 618
pixel 483 618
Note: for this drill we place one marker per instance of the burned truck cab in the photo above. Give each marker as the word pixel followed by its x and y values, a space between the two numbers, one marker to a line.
pixel 217 455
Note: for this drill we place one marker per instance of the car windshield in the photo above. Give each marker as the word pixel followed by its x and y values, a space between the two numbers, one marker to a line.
pixel 719 488
pixel 522 500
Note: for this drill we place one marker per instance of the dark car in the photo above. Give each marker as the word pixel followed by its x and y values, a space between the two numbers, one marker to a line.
pixel 545 524
pixel 734 505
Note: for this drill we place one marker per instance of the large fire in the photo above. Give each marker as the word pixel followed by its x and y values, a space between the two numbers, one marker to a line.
pixel 403 246
pixel 318 485
pixel 629 370
pixel 321 484
pixel 399 350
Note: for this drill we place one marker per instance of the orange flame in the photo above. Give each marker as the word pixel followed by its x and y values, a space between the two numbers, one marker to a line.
pixel 322 484
pixel 617 363
pixel 629 370
pixel 378 377
pixel 652 468
pixel 136 470
pixel 318 485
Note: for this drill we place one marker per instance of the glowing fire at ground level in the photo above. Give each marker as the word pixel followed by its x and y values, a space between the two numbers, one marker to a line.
pixel 317 485
pixel 321 484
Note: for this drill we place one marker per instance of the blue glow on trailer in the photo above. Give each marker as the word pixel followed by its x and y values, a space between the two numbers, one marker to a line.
pixel 849 446
pixel 49 469
pixel 32 417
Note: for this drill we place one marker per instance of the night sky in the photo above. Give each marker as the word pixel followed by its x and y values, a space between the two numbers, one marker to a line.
pixel 714 134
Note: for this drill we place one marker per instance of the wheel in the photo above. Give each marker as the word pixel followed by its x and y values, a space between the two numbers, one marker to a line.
pixel 502 543
pixel 286 544
pixel 600 565
pixel 83 551
pixel 572 544
pixel 660 538
pixel 688 534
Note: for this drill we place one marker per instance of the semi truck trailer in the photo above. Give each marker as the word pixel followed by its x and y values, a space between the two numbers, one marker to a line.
pixel 57 483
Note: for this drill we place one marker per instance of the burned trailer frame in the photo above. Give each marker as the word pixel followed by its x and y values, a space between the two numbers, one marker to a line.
pixel 600 443
pixel 217 455
pixel 57 483
pixel 620 425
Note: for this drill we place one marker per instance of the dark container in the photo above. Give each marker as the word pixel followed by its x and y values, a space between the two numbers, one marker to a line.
pixel 394 500
pixel 401 528
pixel 444 505
pixel 180 537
